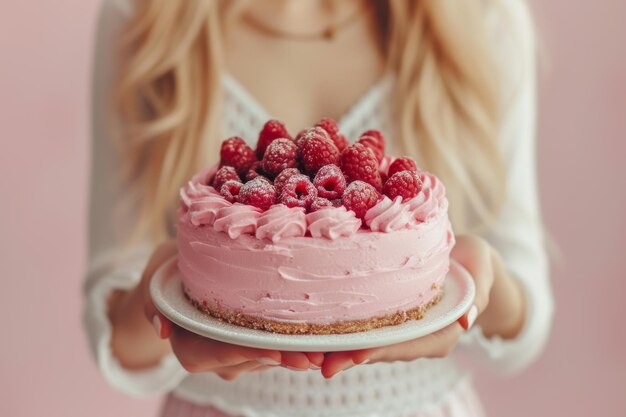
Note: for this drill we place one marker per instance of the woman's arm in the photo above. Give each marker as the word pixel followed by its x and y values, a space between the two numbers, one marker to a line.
pixel 139 335
pixel 114 270
pixel 518 235
pixel 503 315
pixel 509 263
pixel 119 316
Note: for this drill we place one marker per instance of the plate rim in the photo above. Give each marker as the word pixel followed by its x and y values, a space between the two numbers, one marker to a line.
pixel 220 330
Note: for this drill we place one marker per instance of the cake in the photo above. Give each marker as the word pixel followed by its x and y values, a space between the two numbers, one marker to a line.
pixel 311 235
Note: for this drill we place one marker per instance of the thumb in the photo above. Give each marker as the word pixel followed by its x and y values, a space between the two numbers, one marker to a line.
pixel 474 254
pixel 160 256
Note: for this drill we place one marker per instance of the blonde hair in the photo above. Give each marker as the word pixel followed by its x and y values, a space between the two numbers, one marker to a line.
pixel 168 96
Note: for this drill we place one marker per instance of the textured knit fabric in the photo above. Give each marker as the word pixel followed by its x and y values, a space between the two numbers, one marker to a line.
pixel 418 388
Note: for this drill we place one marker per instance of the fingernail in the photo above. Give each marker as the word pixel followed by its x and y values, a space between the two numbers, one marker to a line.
pixel 345 367
pixel 293 368
pixel 315 367
pixel 365 361
pixel 158 326
pixel 471 316
pixel 268 361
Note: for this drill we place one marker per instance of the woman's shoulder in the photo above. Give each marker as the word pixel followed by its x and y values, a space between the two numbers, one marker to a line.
pixel 510 21
pixel 511 29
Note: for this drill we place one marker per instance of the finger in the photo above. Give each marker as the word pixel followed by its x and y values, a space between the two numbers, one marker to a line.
pixel 435 345
pixel 363 356
pixel 199 354
pixel 296 361
pixel 316 359
pixel 161 324
pixel 230 373
pixel 335 362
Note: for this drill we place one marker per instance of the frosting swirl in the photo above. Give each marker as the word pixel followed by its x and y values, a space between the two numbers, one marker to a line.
pixel 430 200
pixel 333 222
pixel 280 222
pixel 237 219
pixel 203 210
pixel 387 216
pixel 197 188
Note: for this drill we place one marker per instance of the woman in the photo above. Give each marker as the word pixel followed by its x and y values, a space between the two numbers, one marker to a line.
pixel 449 83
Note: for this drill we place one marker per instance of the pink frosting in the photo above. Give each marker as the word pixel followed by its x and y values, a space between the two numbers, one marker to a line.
pixel 236 220
pixel 333 223
pixel 197 188
pixel 203 210
pixel 388 216
pixel 263 264
pixel 431 200
pixel 281 222
pixel 316 280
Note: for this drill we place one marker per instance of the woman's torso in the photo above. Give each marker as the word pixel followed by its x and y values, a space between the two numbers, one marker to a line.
pixel 397 389
pixel 349 84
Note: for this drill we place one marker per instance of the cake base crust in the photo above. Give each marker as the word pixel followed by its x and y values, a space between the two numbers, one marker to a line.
pixel 342 327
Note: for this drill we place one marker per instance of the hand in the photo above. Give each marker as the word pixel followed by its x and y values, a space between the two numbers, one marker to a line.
pixel 200 354
pixel 477 256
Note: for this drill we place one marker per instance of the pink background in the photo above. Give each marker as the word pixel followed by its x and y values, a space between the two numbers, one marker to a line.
pixel 45 368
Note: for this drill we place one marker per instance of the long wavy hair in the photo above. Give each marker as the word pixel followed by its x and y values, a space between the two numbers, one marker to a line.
pixel 167 100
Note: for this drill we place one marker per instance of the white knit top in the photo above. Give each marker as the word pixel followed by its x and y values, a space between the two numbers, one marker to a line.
pixel 398 389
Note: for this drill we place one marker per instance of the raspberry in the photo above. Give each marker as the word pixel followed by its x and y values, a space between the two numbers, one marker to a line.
pixel 359 197
pixel 314 131
pixel 359 163
pixel 256 170
pixel 280 180
pixel 330 182
pixel 258 193
pixel 298 139
pixel 404 183
pixel 402 164
pixel 330 126
pixel 378 137
pixel 224 174
pixel 317 151
pixel 230 190
pixel 320 203
pixel 372 143
pixel 237 154
pixel 298 191
pixel 279 155
pixel 273 129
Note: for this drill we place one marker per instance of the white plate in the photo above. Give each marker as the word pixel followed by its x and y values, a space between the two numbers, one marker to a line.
pixel 167 293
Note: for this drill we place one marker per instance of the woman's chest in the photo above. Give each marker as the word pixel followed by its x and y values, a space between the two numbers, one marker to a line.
pixel 300 82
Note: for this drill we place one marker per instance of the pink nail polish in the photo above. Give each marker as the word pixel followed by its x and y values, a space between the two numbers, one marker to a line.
pixel 158 326
pixel 268 361
pixel 471 316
